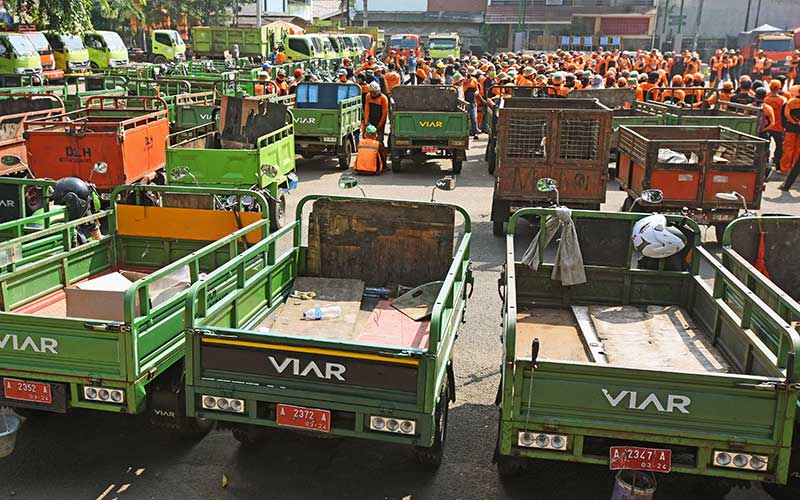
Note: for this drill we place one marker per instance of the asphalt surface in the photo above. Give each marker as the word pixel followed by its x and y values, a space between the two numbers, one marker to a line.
pixel 87 455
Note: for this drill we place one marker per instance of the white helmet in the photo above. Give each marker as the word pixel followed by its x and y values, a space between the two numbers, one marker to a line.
pixel 653 238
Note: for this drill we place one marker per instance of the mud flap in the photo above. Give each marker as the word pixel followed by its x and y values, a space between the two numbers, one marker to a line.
pixel 451 382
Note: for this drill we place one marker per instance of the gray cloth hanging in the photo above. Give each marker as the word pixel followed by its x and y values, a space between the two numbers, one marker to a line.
pixel 568 265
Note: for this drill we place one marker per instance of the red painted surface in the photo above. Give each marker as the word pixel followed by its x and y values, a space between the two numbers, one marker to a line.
pixel 457 5
pixel 388 326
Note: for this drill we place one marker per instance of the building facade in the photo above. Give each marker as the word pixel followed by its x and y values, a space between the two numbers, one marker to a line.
pixel 544 24
pixel 271 9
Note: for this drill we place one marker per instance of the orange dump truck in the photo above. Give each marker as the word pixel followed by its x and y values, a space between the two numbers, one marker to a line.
pixel 127 133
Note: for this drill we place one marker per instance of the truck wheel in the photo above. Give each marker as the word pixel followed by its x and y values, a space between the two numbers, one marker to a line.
pixel 159 59
pixel 498 228
pixel 277 211
pixel 492 161
pixel 94 66
pixel 249 435
pixel 457 165
pixel 713 488
pixel 167 406
pixel 347 153
pixel 432 457
pixel 626 205
pixel 397 164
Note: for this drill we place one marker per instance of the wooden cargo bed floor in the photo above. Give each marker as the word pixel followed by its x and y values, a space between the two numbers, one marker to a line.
pixel 365 321
pixel 557 331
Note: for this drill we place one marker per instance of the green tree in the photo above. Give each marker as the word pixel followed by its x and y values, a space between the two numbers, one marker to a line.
pixel 66 16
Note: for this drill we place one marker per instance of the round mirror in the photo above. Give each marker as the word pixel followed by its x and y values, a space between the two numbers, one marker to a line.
pixel 247 200
pixel 231 199
pixel 269 170
pixel 100 167
pixel 653 196
pixel 727 196
pixel 178 173
pixel 347 182
pixel 446 183
pixel 546 184
pixel 10 160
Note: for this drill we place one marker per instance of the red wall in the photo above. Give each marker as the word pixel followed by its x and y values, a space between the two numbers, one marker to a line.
pixel 624 25
pixel 457 5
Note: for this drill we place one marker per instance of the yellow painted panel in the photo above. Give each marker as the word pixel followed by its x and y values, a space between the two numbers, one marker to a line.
pixel 182 223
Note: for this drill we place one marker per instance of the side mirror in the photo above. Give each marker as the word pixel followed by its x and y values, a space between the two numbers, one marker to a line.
pixel 652 196
pixel 446 184
pixel 247 201
pixel 350 182
pixel 546 185
pixel 100 167
pixel 10 160
pixel 734 196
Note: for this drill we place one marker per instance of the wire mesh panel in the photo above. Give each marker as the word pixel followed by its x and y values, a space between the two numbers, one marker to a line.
pixel 580 139
pixel 526 137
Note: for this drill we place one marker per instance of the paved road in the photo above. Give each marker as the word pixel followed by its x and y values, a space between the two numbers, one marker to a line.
pixel 97 456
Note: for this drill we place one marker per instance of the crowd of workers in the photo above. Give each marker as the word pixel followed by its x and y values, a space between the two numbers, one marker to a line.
pixel 680 79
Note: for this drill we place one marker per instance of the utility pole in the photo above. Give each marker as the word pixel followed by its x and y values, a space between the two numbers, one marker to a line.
pixel 259 9
pixel 655 28
pixel 698 23
pixel 747 14
pixel 758 13
pixel 366 12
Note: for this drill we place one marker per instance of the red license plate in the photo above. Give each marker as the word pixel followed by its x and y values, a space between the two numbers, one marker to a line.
pixel 429 149
pixel 635 458
pixel 311 419
pixel 24 390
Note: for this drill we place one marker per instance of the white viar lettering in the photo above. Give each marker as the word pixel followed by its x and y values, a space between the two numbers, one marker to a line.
pixel 5 340
pixel 614 401
pixel 652 399
pixel 678 402
pixel 49 345
pixel 335 370
pixel 312 366
pixel 283 365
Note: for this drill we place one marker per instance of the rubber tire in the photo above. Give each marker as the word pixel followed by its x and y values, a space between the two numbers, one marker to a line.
pixel 94 66
pixel 712 488
pixel 31 414
pixel 159 59
pixel 626 205
pixel 277 211
pixel 457 166
pixel 397 164
pixel 498 228
pixel 194 429
pixel 344 158
pixel 779 492
pixel 431 457
pixel 492 161
pixel 249 436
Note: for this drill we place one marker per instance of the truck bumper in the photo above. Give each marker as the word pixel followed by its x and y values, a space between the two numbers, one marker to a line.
pixel 347 420
pixel 319 145
pixel 689 456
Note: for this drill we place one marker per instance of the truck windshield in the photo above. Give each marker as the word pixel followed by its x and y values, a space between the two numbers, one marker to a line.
pixel 442 43
pixel 326 44
pixel 335 43
pixel 113 41
pixel 317 46
pixel 39 42
pixel 73 42
pixel 347 42
pixel 366 41
pixel 782 45
pixel 22 46
pixel 177 41
pixel 405 42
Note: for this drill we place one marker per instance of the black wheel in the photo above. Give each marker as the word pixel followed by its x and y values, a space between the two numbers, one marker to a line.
pixel 397 164
pixel 347 153
pixel 94 66
pixel 31 414
pixel 498 228
pixel 788 492
pixel 194 429
pixel 277 211
pixel 432 457
pixel 249 435
pixel 719 230
pixel 159 59
pixel 457 166
pixel 712 488
pixel 492 161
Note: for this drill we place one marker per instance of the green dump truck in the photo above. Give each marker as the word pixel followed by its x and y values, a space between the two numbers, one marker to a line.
pixel 99 325
pixel 253 148
pixel 372 371
pixel 661 360
pixel 327 117
pixel 186 108
pixel 428 119
pixel 213 42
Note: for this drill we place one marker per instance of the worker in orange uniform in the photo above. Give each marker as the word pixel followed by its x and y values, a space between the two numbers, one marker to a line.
pixel 775 132
pixel 794 68
pixel 674 94
pixel 281 57
pixel 791 142
pixel 371 156
pixel 282 86
pixel 264 86
pixel 376 110
pixel 370 64
pixel 471 89
pixel 392 78
pixel 643 90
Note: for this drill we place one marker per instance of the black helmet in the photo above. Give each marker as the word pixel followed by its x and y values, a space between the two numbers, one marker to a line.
pixel 74 194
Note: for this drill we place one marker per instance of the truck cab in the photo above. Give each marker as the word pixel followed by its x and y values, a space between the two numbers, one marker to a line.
pixel 779 48
pixel 442 46
pixel 325 48
pixel 167 45
pixel 406 45
pixel 46 57
pixel 70 53
pixel 302 47
pixel 106 50
pixel 18 56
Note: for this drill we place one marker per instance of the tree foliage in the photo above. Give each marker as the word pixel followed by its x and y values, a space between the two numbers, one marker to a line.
pixel 66 16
